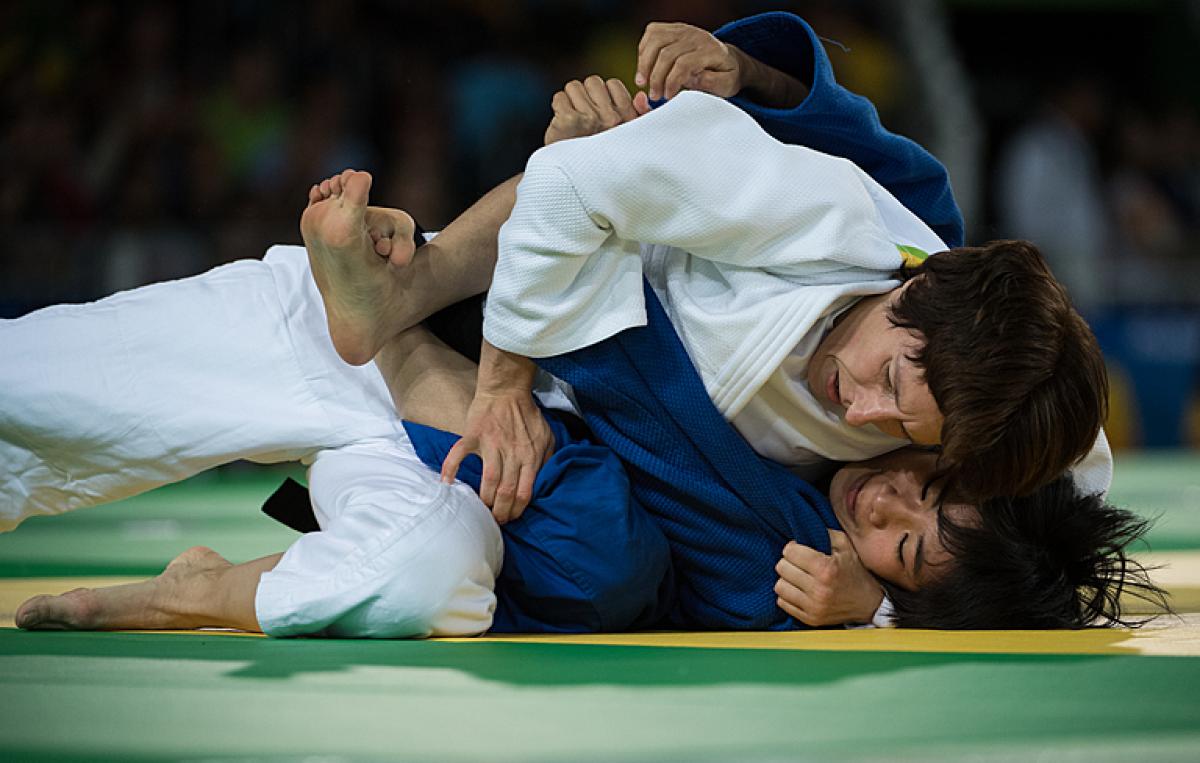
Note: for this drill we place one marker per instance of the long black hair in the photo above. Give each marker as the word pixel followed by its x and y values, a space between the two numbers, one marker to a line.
pixel 1051 559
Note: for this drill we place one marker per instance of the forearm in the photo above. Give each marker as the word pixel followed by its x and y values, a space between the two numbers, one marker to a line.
pixel 459 261
pixel 502 372
pixel 766 85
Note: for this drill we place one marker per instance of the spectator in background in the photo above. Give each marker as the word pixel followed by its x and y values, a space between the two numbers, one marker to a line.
pixel 1049 188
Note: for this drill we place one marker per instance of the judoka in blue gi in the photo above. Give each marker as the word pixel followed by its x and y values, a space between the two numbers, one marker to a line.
pixel 672 520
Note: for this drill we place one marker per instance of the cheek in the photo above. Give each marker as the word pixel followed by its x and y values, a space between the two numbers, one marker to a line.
pixel 874 552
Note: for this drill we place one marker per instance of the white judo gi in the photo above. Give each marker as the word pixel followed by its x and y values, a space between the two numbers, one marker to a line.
pixel 753 247
pixel 105 400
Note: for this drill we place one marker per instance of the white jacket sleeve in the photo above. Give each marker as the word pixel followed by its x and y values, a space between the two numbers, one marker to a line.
pixel 696 174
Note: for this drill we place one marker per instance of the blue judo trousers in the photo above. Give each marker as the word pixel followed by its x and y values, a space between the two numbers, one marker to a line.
pixel 657 512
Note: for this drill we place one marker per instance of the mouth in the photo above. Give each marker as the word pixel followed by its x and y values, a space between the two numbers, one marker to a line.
pixel 852 494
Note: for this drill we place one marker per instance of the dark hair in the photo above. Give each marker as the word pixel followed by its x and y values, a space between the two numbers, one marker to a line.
pixel 1053 559
pixel 1013 367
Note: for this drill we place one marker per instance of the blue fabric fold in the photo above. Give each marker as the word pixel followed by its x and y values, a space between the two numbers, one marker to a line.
pixel 834 120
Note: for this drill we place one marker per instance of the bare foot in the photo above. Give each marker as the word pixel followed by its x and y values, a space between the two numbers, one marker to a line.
pixel 349 255
pixel 391 230
pixel 148 605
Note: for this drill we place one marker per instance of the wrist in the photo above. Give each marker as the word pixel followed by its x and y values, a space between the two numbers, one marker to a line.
pixel 746 69
pixel 504 373
pixel 766 85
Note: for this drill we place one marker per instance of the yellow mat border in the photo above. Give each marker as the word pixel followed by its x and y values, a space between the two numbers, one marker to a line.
pixel 1179 572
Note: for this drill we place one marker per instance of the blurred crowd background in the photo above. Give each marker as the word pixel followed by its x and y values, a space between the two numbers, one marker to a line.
pixel 142 141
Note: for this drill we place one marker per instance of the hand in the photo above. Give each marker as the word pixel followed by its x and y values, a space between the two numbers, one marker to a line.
pixel 826 589
pixel 507 430
pixel 591 106
pixel 672 57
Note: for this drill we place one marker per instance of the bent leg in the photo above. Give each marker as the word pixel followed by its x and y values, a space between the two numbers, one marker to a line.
pixel 198 589
pixel 400 554
pixel 369 301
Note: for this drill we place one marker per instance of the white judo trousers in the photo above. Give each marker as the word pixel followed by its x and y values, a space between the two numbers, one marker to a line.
pixel 109 399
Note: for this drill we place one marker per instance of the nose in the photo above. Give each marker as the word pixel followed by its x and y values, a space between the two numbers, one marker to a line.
pixel 869 407
pixel 896 499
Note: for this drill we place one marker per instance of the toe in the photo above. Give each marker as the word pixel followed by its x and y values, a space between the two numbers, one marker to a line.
pixel 27 615
pixel 357 188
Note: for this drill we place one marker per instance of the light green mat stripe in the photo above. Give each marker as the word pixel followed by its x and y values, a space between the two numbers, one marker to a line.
pixel 149 695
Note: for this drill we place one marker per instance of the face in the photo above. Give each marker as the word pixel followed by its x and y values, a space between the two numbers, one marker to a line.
pixel 892 519
pixel 862 370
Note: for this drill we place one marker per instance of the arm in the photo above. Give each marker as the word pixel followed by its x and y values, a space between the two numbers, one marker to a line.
pixel 834 120
pixel 774 67
pixel 502 424
pixel 696 174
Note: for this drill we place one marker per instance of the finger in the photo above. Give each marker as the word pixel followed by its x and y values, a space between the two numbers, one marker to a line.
pixel 797 576
pixel 795 612
pixel 578 97
pixel 684 70
pixel 641 103
pixel 662 66
pixel 597 92
pixel 560 103
pixel 801 555
pixel 506 492
pixel 622 100
pixel 524 489
pixel 454 459
pixel 653 40
pixel 793 595
pixel 493 471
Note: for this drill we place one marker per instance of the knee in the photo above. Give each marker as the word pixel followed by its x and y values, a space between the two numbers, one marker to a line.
pixel 446 588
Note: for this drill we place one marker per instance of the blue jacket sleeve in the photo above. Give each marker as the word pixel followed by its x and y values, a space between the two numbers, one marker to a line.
pixel 834 120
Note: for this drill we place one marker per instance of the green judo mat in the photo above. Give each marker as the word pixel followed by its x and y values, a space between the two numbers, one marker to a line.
pixel 132 696
pixel 214 696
